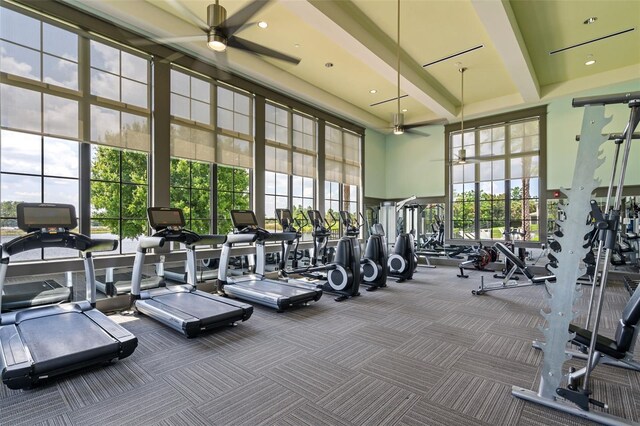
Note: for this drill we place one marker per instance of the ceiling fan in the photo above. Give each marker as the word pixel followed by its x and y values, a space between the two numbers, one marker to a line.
pixel 220 30
pixel 461 156
pixel 399 127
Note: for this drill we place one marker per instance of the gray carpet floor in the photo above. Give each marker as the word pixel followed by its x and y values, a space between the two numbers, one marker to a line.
pixel 424 352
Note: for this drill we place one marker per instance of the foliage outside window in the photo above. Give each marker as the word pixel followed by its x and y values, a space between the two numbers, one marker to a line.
pixel 191 192
pixel 233 193
pixel 498 191
pixel 119 195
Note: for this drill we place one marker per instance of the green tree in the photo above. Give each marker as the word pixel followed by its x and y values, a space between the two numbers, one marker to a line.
pixel 119 191
pixel 233 193
pixel 190 191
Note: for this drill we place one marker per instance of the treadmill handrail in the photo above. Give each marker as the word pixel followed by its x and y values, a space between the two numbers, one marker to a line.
pixel 150 242
pixel 281 236
pixel 210 240
pixel 70 240
pixel 240 238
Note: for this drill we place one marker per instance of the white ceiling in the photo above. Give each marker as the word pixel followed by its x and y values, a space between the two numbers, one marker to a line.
pixel 514 68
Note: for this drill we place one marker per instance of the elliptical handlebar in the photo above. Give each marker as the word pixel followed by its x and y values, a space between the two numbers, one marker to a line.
pixel 333 218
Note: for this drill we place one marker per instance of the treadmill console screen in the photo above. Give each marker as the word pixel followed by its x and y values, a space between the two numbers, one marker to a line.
pixel 165 217
pixel 243 219
pixel 35 216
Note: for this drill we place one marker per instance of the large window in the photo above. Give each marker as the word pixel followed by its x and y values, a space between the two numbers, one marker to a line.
pixel 192 136
pixel 36 169
pixel 234 144
pixel 75 118
pixel 37 50
pixel 276 197
pixel 290 162
pixel 191 192
pixel 342 174
pixel 233 193
pixel 121 138
pixel 119 195
pixel 495 194
pixel 39 120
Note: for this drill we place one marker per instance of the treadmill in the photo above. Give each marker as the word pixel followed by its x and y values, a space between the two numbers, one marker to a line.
pixel 46 341
pixel 113 284
pixel 205 272
pixel 182 307
pixel 35 293
pixel 256 287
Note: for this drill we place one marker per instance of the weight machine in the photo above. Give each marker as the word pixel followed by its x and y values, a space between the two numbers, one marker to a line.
pixel 576 398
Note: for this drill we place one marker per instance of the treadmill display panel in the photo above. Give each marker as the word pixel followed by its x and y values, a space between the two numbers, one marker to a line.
pixel 34 216
pixel 243 219
pixel 164 217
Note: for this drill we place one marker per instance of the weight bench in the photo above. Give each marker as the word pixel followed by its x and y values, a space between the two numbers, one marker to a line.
pixel 507 282
pixel 617 352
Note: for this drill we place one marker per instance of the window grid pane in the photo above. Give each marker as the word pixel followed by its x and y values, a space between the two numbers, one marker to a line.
pixel 508 156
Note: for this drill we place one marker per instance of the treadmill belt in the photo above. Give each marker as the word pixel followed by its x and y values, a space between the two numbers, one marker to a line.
pixel 22 295
pixel 199 306
pixel 60 340
pixel 273 288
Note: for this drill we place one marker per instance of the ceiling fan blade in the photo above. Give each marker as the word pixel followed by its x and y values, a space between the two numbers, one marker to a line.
pixel 435 121
pixel 162 40
pixel 416 132
pixel 234 22
pixel 260 50
pixel 185 12
pixel 237 28
pixel 221 69
pixel 388 100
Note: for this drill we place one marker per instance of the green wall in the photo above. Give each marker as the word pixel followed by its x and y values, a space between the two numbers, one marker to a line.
pixel 564 123
pixel 375 166
pixel 414 164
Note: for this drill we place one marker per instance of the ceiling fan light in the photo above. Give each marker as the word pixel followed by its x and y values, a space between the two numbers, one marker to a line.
pixel 398 130
pixel 217 41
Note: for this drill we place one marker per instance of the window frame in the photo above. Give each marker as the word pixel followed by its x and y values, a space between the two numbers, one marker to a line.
pixel 475 126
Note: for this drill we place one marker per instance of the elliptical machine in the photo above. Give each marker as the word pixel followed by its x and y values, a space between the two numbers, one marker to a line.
pixel 374 263
pixel 343 274
pixel 403 261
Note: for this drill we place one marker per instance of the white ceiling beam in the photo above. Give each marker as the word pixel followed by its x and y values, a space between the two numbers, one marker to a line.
pixel 348 27
pixel 501 25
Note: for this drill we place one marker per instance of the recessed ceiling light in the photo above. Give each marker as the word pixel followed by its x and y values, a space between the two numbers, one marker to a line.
pixel 590 60
pixel 263 24
pixel 404 110
pixel 373 91
pixel 590 20
pixel 296 45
